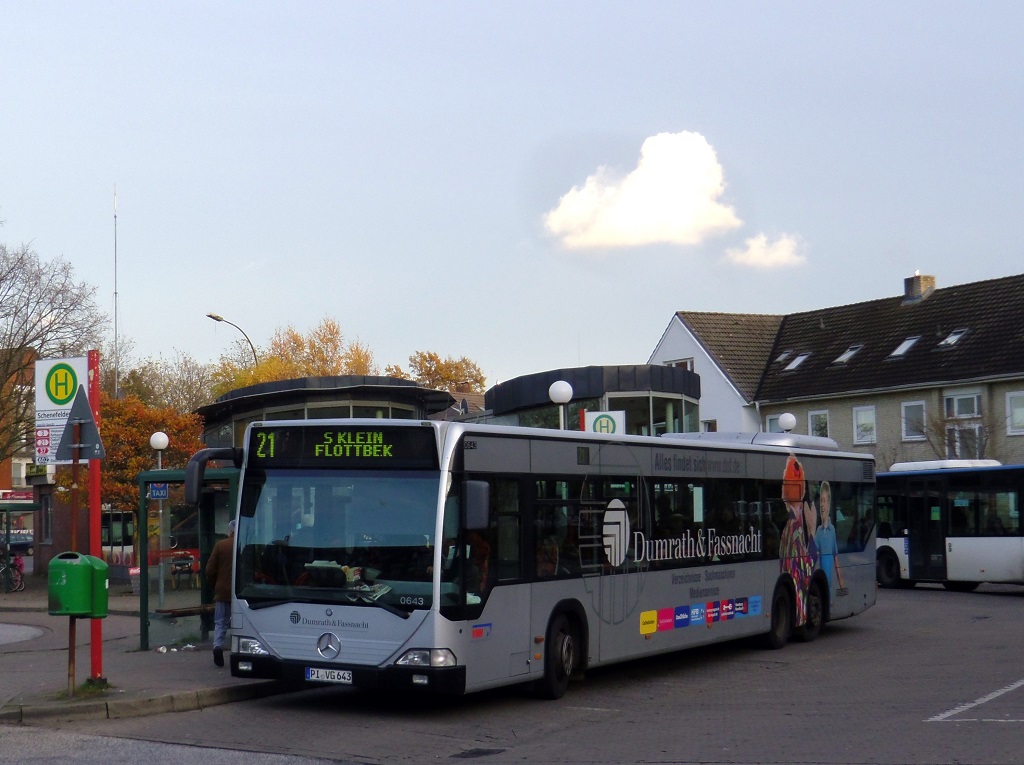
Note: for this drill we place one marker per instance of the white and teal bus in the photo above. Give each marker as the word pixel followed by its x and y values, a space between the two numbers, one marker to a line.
pixel 458 557
pixel 954 522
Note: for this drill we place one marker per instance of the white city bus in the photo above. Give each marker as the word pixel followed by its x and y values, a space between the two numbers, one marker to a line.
pixel 457 557
pixel 957 522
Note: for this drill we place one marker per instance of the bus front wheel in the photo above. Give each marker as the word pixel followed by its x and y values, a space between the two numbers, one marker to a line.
pixel 561 658
pixel 887 569
pixel 781 618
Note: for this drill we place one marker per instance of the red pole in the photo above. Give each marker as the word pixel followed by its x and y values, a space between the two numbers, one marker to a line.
pixel 76 434
pixel 95 510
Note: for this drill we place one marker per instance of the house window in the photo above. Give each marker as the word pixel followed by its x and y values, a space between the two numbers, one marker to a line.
pixel 771 424
pixel 864 425
pixel 848 354
pixel 902 348
pixel 963 405
pixel 953 338
pixel 817 423
pixel 709 426
pixel 796 362
pixel 684 363
pixel 913 421
pixel 963 442
pixel 1015 413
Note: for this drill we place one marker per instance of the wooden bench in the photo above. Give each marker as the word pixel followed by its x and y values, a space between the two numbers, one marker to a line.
pixel 188 611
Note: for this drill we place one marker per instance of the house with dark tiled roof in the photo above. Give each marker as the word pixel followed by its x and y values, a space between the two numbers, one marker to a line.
pixel 729 351
pixel 930 374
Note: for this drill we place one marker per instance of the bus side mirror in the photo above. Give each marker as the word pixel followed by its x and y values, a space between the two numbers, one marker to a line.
pixel 476 499
pixel 196 469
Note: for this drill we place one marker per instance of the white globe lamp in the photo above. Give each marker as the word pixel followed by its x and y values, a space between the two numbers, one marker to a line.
pixel 560 393
pixel 158 442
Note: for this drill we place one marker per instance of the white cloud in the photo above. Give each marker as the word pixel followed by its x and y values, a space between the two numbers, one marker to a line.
pixel 758 252
pixel 672 196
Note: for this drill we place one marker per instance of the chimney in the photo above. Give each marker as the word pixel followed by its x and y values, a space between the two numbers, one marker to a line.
pixel 916 288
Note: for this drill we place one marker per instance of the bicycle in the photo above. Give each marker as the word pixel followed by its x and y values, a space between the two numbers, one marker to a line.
pixel 13 574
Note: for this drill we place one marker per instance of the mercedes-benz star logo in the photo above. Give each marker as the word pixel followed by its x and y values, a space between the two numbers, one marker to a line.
pixel 328 645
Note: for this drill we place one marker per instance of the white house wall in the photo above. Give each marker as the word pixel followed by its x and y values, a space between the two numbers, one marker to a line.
pixel 719 398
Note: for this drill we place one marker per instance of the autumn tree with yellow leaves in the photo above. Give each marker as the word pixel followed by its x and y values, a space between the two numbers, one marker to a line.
pixel 325 352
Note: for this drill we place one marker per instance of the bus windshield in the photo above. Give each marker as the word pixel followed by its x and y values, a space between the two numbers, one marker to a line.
pixel 345 537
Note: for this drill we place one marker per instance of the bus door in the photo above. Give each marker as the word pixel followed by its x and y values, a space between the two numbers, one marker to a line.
pixel 926 539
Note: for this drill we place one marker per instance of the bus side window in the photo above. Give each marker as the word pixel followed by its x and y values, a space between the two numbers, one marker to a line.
pixel 958 522
pixel 508 547
pixel 998 522
pixel 505 512
pixel 547 556
pixel 886 516
pixel 963 515
pixel 771 510
pixel 480 556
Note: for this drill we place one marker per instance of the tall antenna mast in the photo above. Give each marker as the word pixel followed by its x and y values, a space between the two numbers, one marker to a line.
pixel 117 347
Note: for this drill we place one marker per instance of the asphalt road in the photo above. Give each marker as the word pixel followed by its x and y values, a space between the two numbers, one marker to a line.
pixel 926 676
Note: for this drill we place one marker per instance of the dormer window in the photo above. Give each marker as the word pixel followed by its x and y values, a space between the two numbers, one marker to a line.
pixel 848 354
pixel 800 359
pixel 953 338
pixel 902 348
pixel 783 356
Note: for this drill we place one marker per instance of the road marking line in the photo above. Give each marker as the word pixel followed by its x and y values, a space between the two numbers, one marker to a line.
pixel 981 719
pixel 976 702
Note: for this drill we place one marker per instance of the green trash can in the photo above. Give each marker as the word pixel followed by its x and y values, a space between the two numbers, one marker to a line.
pixel 78 586
pixel 100 586
pixel 70 579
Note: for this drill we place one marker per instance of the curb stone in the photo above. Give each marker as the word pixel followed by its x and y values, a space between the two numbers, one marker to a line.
pixel 183 701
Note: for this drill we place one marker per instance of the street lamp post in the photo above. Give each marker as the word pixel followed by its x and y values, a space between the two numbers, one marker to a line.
pixel 560 393
pixel 158 442
pixel 218 317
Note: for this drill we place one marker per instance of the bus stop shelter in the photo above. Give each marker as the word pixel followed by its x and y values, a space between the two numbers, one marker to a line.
pixel 175 541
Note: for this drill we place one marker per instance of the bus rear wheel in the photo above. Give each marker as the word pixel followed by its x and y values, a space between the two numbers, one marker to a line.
pixel 782 620
pixel 887 569
pixel 561 658
pixel 815 612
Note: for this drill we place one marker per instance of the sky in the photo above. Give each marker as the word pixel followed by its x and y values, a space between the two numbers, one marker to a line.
pixel 531 185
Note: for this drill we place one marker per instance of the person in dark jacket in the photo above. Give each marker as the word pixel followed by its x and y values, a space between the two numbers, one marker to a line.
pixel 218 574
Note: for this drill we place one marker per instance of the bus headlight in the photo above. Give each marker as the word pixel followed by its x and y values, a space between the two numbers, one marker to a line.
pixel 427 657
pixel 250 646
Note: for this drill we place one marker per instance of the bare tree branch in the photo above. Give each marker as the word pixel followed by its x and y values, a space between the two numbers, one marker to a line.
pixel 44 313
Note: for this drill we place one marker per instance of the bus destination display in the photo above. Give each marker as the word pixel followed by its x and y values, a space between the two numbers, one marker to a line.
pixel 341 446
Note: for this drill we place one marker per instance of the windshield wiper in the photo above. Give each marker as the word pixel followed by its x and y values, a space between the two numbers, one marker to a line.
pixel 257 602
pixel 268 603
pixel 354 595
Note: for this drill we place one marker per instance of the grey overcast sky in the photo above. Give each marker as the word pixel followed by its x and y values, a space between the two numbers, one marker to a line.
pixel 529 184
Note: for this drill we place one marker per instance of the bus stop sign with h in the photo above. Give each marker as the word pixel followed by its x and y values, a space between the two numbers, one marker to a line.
pixel 80 440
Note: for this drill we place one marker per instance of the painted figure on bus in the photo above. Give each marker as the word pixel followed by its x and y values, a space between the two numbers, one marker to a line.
pixel 794 553
pixel 825 542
